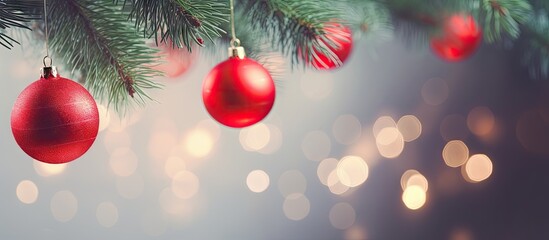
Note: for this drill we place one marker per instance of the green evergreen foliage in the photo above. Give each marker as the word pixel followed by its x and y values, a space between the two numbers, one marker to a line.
pixel 105 39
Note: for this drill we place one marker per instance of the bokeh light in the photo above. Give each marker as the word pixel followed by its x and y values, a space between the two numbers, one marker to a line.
pixel 185 184
pixel 347 129
pixel 410 127
pixel 27 192
pixel 123 162
pixel 478 168
pixel 325 168
pixel 107 214
pixel 418 180
pixel 382 123
pixel 390 142
pixel 161 144
pixel 296 206
pixel 255 138
pixel 335 185
pixel 435 91
pixel 356 232
pixel 199 143
pixel 352 171
pixel 275 141
pixel 455 153
pixel 63 206
pixel 316 145
pixel 211 127
pixel 104 117
pixel 481 121
pixel 45 169
pixel 173 165
pixel 116 140
pixel 291 182
pixel 342 216
pixel 257 181
pixel 406 176
pixel 414 197
pixel 130 187
pixel 173 205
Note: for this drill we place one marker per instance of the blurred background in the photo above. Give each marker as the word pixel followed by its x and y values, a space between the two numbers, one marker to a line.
pixel 398 146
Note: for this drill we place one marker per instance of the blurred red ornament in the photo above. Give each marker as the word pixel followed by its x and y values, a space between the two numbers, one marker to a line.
pixel 339 35
pixel 238 92
pixel 55 120
pixel 459 38
pixel 175 61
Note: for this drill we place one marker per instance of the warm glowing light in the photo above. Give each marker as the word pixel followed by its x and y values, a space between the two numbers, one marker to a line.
pixel 418 180
pixel 257 181
pixel 325 167
pixel 185 185
pixel 275 141
pixel 27 192
pixel 382 123
pixel 107 214
pixel 296 206
pixel 356 233
pixel 116 140
pixel 316 145
pixel 390 142
pixel 104 117
pixel 481 121
pixel 414 197
pixel 478 168
pixel 292 181
pixel 161 144
pixel 255 138
pixel 352 171
pixel 63 206
pixel 317 86
pixel 130 187
pixel 410 127
pixel 174 165
pixel 435 91
pixel 455 153
pixel 347 129
pixel 123 162
pixel 335 185
pixel 45 169
pixel 199 143
pixel 406 176
pixel 211 127
pixel 342 216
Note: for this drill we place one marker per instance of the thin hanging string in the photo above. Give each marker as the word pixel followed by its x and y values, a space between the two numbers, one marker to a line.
pixel 47 36
pixel 235 42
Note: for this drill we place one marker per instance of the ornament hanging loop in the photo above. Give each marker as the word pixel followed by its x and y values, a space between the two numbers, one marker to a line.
pixel 48 61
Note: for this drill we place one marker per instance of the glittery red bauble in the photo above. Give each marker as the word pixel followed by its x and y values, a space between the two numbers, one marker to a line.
pixel 238 92
pixel 55 120
pixel 459 38
pixel 174 62
pixel 342 37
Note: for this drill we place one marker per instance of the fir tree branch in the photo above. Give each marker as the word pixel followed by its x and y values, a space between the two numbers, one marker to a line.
pixel 181 21
pixel 536 45
pixel 295 27
pixel 94 37
pixel 504 17
pixel 15 14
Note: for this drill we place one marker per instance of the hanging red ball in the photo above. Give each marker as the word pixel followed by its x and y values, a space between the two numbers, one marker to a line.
pixel 238 92
pixel 460 37
pixel 339 35
pixel 55 120
pixel 175 61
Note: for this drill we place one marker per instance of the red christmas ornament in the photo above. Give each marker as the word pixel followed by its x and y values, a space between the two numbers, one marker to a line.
pixel 459 38
pixel 175 62
pixel 342 37
pixel 238 92
pixel 55 120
